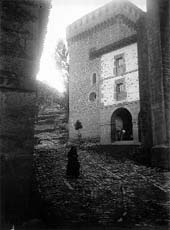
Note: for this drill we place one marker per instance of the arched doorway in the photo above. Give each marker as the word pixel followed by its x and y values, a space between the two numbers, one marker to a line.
pixel 121 125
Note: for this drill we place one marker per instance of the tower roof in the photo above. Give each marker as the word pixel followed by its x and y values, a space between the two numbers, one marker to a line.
pixel 102 14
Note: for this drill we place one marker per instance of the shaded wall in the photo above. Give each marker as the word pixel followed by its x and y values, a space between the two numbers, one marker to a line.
pixel 158 22
pixel 154 74
pixel 23 27
pixel 144 87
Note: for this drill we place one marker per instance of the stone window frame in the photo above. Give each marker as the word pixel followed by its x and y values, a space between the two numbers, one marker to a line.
pixel 92 99
pixel 120 87
pixel 121 95
pixel 119 70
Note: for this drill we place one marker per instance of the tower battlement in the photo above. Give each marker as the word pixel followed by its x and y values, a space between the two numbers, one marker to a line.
pixel 103 14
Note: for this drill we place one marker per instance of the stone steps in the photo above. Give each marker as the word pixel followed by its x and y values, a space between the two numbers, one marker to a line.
pixel 51 127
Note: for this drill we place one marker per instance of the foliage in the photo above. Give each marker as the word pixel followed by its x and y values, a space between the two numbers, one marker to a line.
pixel 78 125
pixel 46 97
pixel 61 58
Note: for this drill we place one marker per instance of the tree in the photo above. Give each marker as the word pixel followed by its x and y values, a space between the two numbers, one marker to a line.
pixel 61 58
pixel 78 125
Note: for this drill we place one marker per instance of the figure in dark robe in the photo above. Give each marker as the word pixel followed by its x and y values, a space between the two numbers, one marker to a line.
pixel 73 165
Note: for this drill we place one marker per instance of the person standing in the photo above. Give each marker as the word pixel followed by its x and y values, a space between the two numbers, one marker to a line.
pixel 73 165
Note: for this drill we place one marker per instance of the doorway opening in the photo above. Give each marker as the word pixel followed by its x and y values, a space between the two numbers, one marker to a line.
pixel 121 125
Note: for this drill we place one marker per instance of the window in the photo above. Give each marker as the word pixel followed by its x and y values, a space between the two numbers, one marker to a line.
pixel 119 62
pixel 119 87
pixel 92 96
pixel 120 90
pixel 94 78
pixel 119 65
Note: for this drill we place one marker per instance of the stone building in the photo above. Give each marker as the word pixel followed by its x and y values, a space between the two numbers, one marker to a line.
pixel 104 84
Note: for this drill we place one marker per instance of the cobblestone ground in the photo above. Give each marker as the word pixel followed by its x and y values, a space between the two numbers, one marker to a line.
pixel 109 192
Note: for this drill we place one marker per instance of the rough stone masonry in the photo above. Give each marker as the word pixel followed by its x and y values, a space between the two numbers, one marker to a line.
pixel 119 76
pixel 154 75
pixel 23 24
pixel 104 83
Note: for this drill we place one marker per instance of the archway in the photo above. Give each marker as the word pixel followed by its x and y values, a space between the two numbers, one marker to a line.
pixel 121 125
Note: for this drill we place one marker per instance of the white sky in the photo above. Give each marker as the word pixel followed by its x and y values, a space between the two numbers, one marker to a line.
pixel 63 13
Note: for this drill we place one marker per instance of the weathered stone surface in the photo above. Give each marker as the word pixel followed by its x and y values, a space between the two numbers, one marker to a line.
pixel 17 122
pixel 108 78
pixel 144 85
pixel 154 84
pixel 94 41
pixel 23 24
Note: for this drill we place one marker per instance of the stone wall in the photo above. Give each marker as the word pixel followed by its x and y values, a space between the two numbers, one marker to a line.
pixel 165 44
pixel 154 50
pixel 22 33
pixel 108 78
pixel 109 102
pixel 96 33
pixel 103 17
pixel 158 19
pixel 105 120
pixel 144 85
pixel 80 87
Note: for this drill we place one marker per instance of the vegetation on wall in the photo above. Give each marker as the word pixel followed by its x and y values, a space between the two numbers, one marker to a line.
pixel 62 64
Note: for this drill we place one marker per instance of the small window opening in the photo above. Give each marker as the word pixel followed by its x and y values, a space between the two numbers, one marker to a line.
pixel 119 87
pixel 92 96
pixel 94 78
pixel 119 62
pixel 119 65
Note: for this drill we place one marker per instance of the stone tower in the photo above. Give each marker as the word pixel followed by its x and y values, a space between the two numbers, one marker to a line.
pixel 103 83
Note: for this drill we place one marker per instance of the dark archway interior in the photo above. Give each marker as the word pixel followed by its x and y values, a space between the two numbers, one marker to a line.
pixel 121 125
